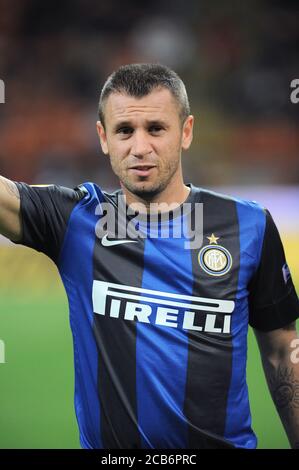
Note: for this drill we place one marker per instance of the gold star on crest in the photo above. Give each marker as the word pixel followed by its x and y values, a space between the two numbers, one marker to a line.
pixel 212 239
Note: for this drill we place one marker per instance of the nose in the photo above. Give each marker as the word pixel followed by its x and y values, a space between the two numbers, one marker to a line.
pixel 140 144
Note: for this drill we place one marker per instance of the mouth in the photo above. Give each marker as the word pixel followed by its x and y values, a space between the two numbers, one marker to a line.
pixel 142 170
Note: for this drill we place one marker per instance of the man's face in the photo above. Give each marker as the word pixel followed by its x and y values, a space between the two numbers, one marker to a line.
pixel 144 138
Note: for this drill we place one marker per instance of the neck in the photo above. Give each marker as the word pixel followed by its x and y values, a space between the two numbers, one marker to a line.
pixel 172 195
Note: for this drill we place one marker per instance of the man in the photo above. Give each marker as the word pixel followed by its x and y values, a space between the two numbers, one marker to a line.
pixel 160 326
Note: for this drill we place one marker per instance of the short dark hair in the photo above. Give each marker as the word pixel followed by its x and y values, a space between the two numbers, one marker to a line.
pixel 139 80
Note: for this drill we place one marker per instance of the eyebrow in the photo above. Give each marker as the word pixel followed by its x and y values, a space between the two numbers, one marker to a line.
pixel 152 122
pixel 120 124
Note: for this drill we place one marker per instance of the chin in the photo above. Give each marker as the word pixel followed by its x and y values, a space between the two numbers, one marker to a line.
pixel 144 189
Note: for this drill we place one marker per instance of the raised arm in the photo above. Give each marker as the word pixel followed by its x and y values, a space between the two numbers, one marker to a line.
pixel 10 220
pixel 282 373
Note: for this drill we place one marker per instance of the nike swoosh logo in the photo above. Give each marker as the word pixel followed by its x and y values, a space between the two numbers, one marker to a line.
pixel 106 242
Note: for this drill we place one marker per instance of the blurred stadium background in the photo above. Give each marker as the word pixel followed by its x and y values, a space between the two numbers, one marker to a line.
pixel 237 60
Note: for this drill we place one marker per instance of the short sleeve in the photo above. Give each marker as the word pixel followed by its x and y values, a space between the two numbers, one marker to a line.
pixel 273 302
pixel 45 211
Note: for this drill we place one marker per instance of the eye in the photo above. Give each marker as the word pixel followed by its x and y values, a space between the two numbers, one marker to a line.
pixel 124 130
pixel 155 129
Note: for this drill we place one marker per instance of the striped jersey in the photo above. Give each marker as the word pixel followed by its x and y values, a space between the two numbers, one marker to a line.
pixel 160 327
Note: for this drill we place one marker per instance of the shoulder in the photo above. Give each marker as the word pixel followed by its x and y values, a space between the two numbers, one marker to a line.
pixel 50 191
pixel 249 215
pixel 214 197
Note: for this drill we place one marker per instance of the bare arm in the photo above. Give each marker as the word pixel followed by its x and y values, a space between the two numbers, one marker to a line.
pixel 282 374
pixel 10 220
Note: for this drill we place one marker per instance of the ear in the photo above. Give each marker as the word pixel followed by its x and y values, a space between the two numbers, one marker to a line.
pixel 187 134
pixel 103 138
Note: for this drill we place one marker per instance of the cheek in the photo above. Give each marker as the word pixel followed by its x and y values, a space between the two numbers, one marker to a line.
pixel 117 152
pixel 171 148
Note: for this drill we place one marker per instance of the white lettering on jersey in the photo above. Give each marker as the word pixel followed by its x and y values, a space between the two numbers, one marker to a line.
pixel 162 308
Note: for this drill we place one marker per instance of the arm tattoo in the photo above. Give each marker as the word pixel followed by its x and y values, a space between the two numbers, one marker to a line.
pixel 285 389
pixel 10 187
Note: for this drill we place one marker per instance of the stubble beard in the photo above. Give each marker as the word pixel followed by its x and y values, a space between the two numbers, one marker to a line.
pixel 145 190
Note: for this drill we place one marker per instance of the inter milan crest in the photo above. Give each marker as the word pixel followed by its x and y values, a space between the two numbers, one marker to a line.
pixel 214 259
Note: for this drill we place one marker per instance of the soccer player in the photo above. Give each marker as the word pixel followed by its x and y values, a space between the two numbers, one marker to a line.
pixel 160 322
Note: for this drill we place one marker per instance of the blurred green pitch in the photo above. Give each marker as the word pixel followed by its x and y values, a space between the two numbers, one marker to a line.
pixel 37 379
